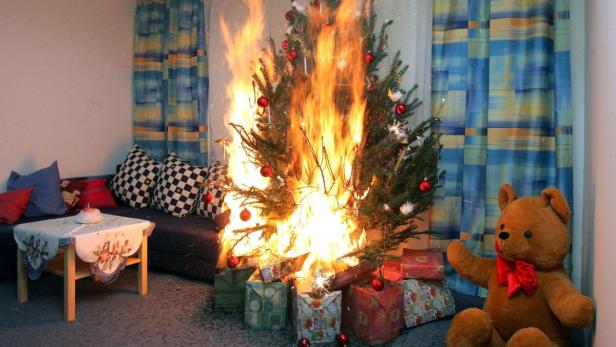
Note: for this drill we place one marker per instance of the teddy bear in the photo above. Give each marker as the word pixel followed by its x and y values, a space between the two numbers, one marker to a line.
pixel 530 301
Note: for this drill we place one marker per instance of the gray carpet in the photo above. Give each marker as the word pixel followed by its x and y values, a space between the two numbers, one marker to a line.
pixel 176 312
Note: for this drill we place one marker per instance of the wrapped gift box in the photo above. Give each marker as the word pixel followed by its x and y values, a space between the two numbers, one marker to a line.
pixel 317 319
pixel 425 301
pixel 391 270
pixel 423 264
pixel 230 289
pixel 265 304
pixel 356 274
pixel 377 316
pixel 276 270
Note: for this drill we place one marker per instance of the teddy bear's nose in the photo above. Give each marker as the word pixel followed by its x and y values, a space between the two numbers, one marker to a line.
pixel 503 235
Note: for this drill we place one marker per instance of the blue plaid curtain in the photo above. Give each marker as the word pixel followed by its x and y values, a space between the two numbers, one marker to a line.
pixel 502 68
pixel 170 79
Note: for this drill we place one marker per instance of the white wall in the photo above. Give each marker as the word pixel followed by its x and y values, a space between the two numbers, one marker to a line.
pixel 66 92
pixel 412 23
pixel 600 193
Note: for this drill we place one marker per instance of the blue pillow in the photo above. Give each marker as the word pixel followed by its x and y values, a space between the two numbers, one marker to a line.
pixel 46 197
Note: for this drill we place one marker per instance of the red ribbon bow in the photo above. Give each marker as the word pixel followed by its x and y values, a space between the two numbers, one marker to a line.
pixel 516 275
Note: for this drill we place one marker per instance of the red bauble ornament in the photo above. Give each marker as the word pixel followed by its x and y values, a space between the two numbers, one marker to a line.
pixel 369 57
pixel 262 101
pixel 401 108
pixel 303 342
pixel 378 284
pixel 245 215
pixel 285 44
pixel 208 197
pixel 425 185
pixel 289 15
pixel 342 339
pixel 291 55
pixel 233 262
pixel 316 3
pixel 266 171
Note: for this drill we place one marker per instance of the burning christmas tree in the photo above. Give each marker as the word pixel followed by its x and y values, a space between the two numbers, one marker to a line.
pixel 322 148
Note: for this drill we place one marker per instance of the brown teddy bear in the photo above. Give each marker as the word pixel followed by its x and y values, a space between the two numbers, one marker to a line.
pixel 530 301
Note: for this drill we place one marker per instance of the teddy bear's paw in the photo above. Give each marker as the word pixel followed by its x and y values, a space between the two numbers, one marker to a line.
pixel 455 251
pixel 471 327
pixel 529 337
pixel 580 312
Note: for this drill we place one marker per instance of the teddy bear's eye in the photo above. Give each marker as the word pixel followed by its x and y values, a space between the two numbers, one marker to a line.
pixel 502 227
pixel 528 234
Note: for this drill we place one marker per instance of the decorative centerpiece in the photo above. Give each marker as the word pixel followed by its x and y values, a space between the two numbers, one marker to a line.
pixel 89 215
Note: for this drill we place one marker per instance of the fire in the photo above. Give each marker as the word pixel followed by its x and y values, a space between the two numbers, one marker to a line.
pixel 323 137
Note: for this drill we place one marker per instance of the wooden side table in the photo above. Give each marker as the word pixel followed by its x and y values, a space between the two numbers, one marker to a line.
pixel 65 265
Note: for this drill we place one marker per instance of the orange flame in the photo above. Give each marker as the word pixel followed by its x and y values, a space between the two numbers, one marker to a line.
pixel 324 139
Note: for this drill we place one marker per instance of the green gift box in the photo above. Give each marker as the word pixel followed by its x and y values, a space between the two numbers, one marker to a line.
pixel 265 305
pixel 230 289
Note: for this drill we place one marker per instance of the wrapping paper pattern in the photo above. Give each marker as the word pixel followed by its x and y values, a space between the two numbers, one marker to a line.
pixel 377 316
pixel 424 264
pixel 265 304
pixel 278 269
pixel 317 319
pixel 230 289
pixel 105 245
pixel 425 301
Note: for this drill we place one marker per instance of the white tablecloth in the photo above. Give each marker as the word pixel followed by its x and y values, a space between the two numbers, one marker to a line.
pixel 105 245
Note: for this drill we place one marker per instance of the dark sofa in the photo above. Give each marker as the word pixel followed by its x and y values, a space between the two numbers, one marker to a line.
pixel 187 246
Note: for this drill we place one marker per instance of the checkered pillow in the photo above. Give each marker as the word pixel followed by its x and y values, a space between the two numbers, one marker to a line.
pixel 136 177
pixel 214 184
pixel 178 186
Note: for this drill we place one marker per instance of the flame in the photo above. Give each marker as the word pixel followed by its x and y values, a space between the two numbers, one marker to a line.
pixel 324 140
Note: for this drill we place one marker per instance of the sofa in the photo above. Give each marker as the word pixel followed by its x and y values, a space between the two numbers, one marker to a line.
pixel 186 246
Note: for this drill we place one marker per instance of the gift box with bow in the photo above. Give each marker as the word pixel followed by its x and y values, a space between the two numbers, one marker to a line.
pixel 265 304
pixel 230 289
pixel 377 316
pixel 317 318
pixel 425 301
pixel 423 264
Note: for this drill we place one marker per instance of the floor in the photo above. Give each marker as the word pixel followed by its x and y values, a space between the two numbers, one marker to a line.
pixel 176 312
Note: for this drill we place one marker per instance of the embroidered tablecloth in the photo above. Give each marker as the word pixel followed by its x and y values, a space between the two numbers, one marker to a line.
pixel 106 245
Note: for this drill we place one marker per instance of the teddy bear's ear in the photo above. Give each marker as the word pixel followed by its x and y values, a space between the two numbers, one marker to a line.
pixel 554 198
pixel 506 195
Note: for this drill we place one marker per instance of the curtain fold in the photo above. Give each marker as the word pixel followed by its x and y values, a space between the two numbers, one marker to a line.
pixel 502 68
pixel 170 79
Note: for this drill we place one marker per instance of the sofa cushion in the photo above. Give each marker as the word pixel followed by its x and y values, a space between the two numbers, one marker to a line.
pixel 212 197
pixel 135 178
pixel 191 236
pixel 178 186
pixel 46 198
pixel 13 204
pixel 96 194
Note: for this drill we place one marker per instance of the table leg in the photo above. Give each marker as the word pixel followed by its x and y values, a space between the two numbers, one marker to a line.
pixel 69 282
pixel 142 280
pixel 22 278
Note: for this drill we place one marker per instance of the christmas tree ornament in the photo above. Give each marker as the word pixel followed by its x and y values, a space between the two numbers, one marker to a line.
pixel 342 339
pixel 266 171
pixel 401 108
pixel 285 44
pixel 303 342
pixel 407 208
pixel 245 215
pixel 425 185
pixel 298 6
pixel 369 57
pixel 397 131
pixel 386 207
pixel 394 96
pixel 316 3
pixel 262 101
pixel 378 284
pixel 208 197
pixel 291 54
pixel 289 15
pixel 233 262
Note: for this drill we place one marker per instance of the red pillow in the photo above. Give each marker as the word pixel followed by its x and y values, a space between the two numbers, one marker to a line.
pixel 96 194
pixel 13 204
